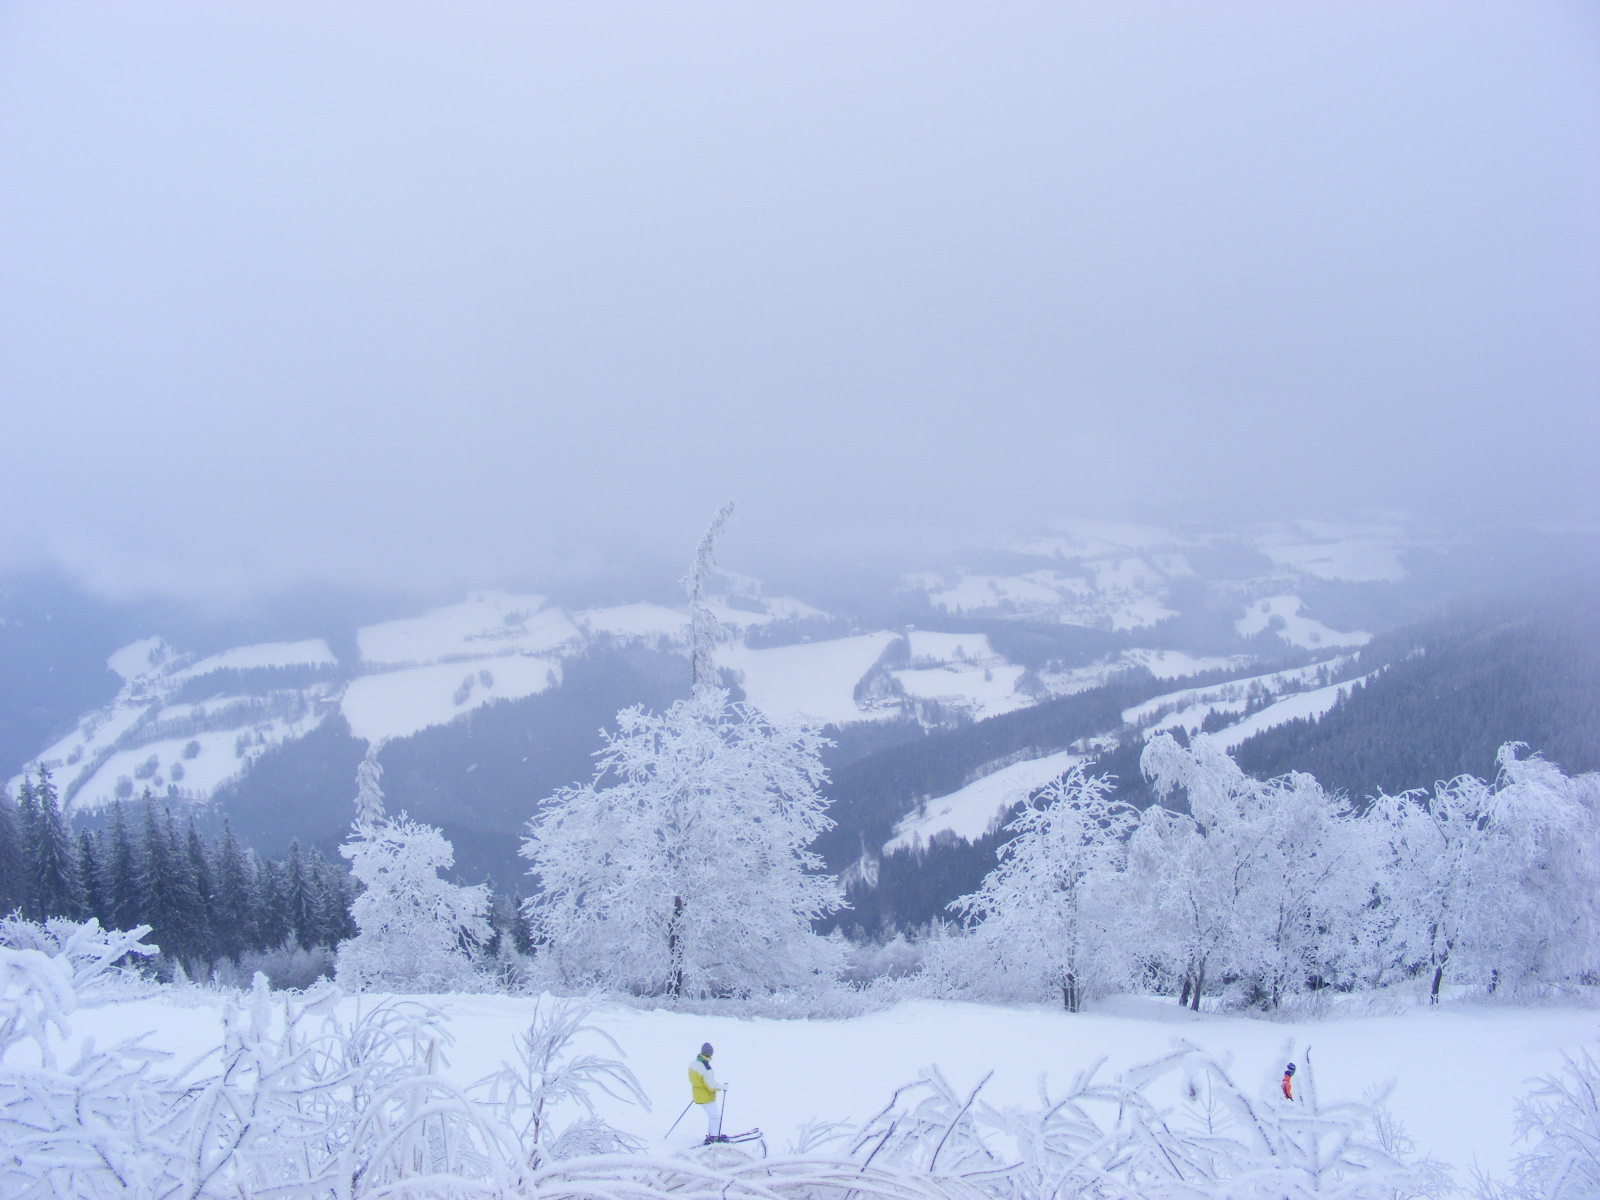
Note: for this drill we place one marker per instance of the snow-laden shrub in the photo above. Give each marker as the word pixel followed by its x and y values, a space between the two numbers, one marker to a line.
pixel 1125 1137
pixel 100 962
pixel 549 1075
pixel 1560 1116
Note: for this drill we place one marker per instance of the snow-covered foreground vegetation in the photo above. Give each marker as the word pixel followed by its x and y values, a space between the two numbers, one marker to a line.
pixel 198 1092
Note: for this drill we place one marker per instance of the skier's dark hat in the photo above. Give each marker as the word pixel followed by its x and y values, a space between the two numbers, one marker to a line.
pixel 705 1049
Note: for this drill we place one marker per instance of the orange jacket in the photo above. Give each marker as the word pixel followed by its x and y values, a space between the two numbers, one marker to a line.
pixel 1287 1093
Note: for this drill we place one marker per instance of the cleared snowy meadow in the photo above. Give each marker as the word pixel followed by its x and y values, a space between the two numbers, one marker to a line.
pixel 1452 1073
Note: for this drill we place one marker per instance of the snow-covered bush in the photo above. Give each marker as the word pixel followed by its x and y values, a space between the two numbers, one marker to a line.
pixel 99 962
pixel 1560 1116
pixel 548 1075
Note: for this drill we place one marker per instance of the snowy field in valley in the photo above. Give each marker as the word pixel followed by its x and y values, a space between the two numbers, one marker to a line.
pixel 1457 1070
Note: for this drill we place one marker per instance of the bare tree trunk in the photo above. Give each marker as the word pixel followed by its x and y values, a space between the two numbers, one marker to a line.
pixel 1071 999
pixel 675 950
pixel 1183 996
pixel 1199 982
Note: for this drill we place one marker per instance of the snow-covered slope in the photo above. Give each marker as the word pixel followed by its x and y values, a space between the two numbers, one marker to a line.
pixel 974 810
pixel 1456 1071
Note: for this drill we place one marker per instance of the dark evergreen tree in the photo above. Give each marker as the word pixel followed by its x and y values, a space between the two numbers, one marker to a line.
pixel 198 860
pixel 300 897
pixel 124 908
pixel 91 870
pixel 58 891
pixel 169 899
pixel 192 935
pixel 28 848
pixel 232 910
pixel 271 923
pixel 12 873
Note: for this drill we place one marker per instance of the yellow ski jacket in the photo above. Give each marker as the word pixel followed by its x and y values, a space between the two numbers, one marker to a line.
pixel 703 1081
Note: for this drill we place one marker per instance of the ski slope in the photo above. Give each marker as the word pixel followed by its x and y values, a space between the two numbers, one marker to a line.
pixel 1457 1070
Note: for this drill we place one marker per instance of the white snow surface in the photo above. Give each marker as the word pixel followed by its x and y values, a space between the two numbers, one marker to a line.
pixel 647 621
pixel 1457 1070
pixel 813 680
pixel 395 704
pixel 1175 664
pixel 1190 706
pixel 312 653
pixel 485 625
pixel 140 658
pixel 1302 706
pixel 1339 551
pixel 972 811
pixel 977 689
pixel 1284 613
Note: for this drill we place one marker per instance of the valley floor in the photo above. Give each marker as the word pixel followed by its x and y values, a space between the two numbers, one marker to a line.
pixel 1457 1069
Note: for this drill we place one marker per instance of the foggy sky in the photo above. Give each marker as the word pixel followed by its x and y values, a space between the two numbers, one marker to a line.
pixel 443 294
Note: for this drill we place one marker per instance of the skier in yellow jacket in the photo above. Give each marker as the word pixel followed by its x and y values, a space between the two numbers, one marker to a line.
pixel 707 1093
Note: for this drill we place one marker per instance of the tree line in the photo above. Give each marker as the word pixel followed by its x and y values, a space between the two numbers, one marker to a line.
pixel 205 900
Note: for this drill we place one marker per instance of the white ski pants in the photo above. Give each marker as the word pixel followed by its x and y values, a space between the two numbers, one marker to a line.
pixel 713 1111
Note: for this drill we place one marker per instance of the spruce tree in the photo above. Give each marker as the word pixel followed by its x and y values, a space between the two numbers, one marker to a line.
pixel 12 888
pixel 204 916
pixel 124 908
pixel 91 870
pixel 300 897
pixel 271 909
pixel 58 891
pixel 193 939
pixel 27 849
pixel 233 881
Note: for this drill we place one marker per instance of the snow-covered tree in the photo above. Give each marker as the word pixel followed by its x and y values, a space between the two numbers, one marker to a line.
pixel 414 929
pixel 369 787
pixel 682 866
pixel 1493 880
pixel 1047 912
pixel 1263 880
pixel 703 627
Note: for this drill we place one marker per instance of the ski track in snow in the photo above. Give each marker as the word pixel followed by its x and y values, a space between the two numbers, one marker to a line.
pixel 1457 1069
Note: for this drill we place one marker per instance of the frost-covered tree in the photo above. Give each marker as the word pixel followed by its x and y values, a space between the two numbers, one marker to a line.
pixel 414 930
pixel 1047 914
pixel 369 787
pixel 682 866
pixel 1493 880
pixel 1263 880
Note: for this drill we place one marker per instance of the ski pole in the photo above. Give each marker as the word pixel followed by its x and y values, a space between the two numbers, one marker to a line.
pixel 722 1109
pixel 681 1116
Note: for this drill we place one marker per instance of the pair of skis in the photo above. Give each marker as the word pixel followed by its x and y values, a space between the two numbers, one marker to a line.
pixel 731 1139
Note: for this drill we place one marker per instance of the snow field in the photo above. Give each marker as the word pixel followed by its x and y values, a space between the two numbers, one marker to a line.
pixel 1457 1069
pixel 485 625
pixel 1303 706
pixel 973 810
pixel 313 652
pixel 1296 629
pixel 397 704
pixel 811 679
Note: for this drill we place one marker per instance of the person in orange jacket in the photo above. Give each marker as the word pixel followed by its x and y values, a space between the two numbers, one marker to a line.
pixel 1288 1075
